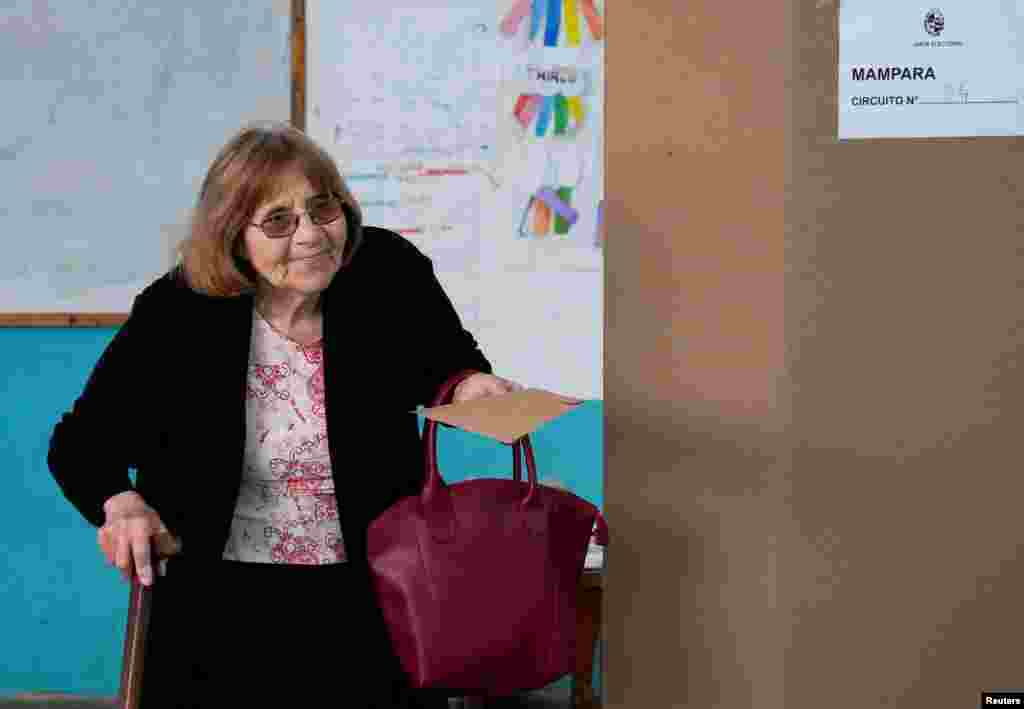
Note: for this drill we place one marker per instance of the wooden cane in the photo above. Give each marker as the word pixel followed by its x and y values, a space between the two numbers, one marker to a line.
pixel 140 604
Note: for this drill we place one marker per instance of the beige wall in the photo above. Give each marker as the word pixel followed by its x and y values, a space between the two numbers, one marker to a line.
pixel 811 383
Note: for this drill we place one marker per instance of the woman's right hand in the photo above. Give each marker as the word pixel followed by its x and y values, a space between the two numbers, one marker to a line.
pixel 128 533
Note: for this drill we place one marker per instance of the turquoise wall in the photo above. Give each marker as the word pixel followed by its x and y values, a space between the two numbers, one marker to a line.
pixel 62 609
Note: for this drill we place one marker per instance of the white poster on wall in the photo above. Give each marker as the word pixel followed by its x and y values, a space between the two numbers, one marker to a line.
pixel 908 70
pixel 475 131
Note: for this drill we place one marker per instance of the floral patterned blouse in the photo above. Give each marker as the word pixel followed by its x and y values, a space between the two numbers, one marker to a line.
pixel 286 511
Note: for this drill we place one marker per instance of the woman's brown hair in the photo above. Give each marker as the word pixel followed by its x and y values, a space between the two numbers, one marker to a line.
pixel 245 173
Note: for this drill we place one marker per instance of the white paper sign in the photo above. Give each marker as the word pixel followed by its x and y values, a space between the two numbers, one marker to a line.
pixel 911 70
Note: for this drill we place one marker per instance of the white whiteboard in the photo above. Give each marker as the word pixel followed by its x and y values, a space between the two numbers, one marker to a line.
pixel 417 101
pixel 114 111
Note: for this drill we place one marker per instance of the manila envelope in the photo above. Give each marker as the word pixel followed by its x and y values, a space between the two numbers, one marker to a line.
pixel 505 417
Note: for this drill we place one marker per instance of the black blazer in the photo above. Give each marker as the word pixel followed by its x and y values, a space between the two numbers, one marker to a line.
pixel 167 397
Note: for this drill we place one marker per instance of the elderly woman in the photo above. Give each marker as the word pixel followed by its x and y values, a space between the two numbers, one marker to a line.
pixel 263 390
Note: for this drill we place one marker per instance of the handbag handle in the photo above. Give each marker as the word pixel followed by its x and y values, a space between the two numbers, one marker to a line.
pixel 435 497
pixel 434 479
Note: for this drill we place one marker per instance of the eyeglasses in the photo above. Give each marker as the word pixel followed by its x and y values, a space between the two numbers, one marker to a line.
pixel 322 209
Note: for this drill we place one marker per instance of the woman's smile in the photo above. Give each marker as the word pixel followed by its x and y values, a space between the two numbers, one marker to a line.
pixel 311 257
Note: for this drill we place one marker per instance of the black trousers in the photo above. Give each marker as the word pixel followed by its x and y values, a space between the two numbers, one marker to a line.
pixel 266 635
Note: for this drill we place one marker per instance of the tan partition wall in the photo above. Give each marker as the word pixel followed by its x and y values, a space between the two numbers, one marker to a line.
pixel 813 387
pixel 904 305
pixel 694 352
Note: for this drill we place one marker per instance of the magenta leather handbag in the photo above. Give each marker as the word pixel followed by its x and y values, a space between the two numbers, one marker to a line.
pixel 477 580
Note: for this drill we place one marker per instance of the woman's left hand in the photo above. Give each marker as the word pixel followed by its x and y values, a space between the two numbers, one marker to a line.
pixel 480 385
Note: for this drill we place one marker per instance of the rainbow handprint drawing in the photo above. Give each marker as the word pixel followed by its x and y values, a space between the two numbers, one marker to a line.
pixel 553 100
pixel 554 23
pixel 546 116
pixel 549 213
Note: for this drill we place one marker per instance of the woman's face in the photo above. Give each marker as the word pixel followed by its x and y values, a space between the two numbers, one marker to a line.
pixel 305 262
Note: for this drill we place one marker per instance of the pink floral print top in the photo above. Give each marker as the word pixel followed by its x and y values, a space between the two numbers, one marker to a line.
pixel 286 511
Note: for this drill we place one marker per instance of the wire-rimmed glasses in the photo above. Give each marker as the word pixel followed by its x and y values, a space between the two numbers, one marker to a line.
pixel 322 209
